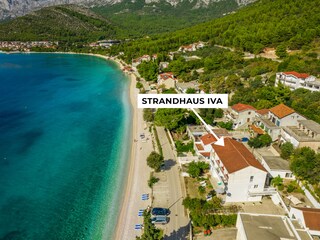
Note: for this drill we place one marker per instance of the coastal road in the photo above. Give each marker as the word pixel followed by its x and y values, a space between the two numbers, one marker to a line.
pixel 178 226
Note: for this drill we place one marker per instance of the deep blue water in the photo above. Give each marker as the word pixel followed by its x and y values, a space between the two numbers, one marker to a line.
pixel 64 126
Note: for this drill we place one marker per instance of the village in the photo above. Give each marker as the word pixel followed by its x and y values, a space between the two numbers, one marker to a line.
pixel 254 182
pixel 26 46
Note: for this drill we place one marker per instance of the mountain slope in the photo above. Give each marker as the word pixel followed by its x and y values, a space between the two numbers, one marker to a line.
pixel 266 23
pixel 14 8
pixel 139 18
pixel 63 23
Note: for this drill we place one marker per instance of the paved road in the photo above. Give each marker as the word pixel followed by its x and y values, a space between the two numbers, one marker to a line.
pixel 178 226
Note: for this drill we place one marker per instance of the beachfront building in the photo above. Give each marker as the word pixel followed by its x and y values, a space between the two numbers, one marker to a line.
pixel 276 166
pixel 305 134
pixel 278 117
pixel 240 114
pixel 139 60
pixel 296 80
pixel 266 227
pixel 237 172
pixel 184 86
pixel 167 80
pixel 308 218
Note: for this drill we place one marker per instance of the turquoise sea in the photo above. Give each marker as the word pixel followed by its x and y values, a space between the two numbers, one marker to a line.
pixel 64 145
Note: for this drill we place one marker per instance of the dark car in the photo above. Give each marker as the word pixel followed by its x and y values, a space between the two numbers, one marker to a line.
pixel 160 211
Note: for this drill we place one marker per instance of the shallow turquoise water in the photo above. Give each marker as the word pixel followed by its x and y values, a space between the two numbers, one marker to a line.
pixel 64 132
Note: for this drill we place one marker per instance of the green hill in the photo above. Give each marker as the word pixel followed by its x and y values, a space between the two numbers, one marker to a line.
pixel 63 23
pixel 139 18
pixel 266 23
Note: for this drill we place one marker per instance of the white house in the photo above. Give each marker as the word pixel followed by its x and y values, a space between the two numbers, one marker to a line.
pixel 308 218
pixel 278 116
pixel 188 48
pixel 236 169
pixel 296 80
pixel 202 145
pixel 163 65
pixel 267 227
pixel 305 134
pixel 277 166
pixel 139 60
pixel 167 79
pixel 240 114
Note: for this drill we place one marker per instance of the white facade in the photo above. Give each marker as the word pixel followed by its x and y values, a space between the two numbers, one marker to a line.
pixel 290 120
pixel 275 167
pixel 244 185
pixel 240 118
pixel 296 80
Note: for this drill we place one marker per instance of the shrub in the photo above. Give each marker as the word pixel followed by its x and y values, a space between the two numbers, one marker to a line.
pixel 155 160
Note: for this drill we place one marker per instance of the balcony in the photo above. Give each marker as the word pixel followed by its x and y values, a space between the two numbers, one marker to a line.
pixel 265 192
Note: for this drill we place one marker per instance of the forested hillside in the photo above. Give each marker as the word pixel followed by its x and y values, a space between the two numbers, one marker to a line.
pixel 139 18
pixel 63 23
pixel 292 23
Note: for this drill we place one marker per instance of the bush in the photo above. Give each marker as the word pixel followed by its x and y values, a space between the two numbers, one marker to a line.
pixel 155 160
pixel 260 141
pixel 152 180
pixel 181 147
pixel 139 85
pixel 201 189
pixel 196 169
pixel 226 125
pixel 148 115
pixel 286 150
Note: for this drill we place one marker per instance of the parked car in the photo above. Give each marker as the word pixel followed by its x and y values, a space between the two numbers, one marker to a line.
pixel 160 211
pixel 160 220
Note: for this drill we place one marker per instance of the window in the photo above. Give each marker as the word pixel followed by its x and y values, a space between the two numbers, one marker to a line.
pixel 251 179
pixel 278 123
pixel 288 175
pixel 256 186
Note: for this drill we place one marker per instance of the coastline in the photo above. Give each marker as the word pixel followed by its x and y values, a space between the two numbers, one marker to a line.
pixel 137 172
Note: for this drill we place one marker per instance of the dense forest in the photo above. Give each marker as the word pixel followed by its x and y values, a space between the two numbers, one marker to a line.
pixel 66 23
pixel 266 23
pixel 139 18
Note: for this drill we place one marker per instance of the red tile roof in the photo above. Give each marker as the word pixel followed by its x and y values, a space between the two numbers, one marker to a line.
pixel 281 110
pixel 298 75
pixel 311 218
pixel 199 147
pixel 235 156
pixel 239 107
pixel 208 139
pixel 167 75
pixel 263 111
pixel 205 154
pixel 257 129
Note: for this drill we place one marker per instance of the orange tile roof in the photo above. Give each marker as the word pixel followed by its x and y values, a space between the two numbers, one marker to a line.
pixel 311 218
pixel 208 139
pixel 239 107
pixel 281 110
pixel 235 156
pixel 298 75
pixel 205 154
pixel 263 111
pixel 199 147
pixel 166 76
pixel 256 129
